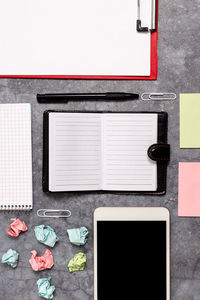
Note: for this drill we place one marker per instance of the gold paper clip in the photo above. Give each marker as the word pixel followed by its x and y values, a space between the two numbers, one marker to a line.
pixel 54 213
pixel 158 96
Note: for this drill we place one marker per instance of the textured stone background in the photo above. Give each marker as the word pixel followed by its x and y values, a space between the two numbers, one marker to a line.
pixel 179 65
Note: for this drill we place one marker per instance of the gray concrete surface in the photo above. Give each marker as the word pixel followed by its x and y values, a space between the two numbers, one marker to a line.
pixel 178 65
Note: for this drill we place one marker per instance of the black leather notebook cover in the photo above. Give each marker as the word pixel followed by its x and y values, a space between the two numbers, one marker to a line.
pixel 159 152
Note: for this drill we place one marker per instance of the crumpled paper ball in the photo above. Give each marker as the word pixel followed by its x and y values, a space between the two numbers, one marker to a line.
pixel 39 263
pixel 46 235
pixel 10 258
pixel 77 236
pixel 45 290
pixel 16 227
pixel 77 263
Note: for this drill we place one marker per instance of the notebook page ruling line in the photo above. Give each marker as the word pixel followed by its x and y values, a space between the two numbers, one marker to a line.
pixel 74 151
pixel 126 164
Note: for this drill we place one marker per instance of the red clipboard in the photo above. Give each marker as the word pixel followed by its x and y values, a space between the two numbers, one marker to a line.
pixel 153 66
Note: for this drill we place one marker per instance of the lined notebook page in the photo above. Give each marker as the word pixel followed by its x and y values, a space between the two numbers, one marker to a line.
pixel 126 165
pixel 74 151
pixel 15 156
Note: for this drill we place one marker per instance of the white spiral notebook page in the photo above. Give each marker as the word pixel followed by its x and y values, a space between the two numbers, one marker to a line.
pixel 95 151
pixel 15 157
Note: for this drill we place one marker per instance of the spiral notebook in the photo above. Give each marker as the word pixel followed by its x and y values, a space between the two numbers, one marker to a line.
pixel 15 157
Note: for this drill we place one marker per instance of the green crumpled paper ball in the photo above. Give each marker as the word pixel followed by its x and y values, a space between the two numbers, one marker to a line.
pixel 77 263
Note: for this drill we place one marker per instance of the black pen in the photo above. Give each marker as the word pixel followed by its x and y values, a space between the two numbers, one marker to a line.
pixel 64 98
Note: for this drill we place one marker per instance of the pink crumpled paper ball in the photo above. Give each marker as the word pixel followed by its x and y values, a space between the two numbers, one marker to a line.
pixel 16 227
pixel 39 263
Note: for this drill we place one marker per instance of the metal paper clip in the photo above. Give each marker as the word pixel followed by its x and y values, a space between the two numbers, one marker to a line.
pixel 158 96
pixel 54 213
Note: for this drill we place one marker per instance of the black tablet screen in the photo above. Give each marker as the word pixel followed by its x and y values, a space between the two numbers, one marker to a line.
pixel 131 260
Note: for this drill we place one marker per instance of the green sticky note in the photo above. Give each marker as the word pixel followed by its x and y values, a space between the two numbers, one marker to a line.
pixel 77 236
pixel 45 289
pixel 10 258
pixel 189 120
pixel 46 235
pixel 77 263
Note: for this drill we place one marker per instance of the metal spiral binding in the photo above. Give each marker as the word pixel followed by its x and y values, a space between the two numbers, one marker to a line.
pixel 15 209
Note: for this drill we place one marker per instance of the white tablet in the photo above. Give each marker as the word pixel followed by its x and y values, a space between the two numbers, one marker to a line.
pixel 131 253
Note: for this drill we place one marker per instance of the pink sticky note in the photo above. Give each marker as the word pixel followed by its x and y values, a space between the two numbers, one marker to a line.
pixel 189 189
pixel 39 263
pixel 16 227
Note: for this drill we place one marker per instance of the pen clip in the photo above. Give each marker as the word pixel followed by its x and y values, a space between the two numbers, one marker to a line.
pixel 54 213
pixel 158 96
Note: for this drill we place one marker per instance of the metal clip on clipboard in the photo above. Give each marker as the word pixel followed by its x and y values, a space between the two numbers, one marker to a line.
pixel 54 213
pixel 153 18
pixel 158 96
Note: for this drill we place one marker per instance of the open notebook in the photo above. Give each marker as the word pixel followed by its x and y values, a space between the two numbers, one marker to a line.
pixel 101 151
pixel 15 157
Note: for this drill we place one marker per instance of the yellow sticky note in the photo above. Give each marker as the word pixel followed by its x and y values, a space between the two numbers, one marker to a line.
pixel 189 120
